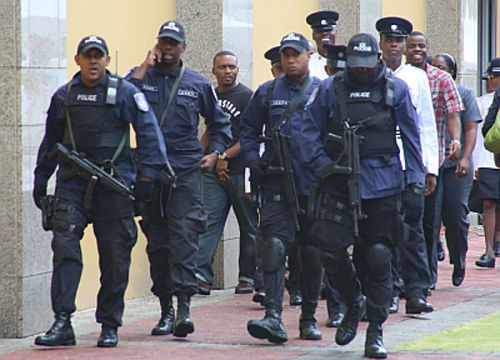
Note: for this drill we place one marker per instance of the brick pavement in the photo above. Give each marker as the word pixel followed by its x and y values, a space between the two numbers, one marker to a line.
pixel 220 326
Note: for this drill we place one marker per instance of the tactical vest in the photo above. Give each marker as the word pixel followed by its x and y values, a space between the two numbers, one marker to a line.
pixel 370 109
pixel 92 127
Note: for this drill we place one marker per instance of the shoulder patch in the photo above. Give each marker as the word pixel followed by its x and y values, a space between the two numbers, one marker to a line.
pixel 141 102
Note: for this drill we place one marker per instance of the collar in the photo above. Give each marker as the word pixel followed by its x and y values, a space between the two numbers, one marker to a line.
pixel 174 73
pixel 77 79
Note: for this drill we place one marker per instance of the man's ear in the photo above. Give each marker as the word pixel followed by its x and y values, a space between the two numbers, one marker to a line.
pixel 77 59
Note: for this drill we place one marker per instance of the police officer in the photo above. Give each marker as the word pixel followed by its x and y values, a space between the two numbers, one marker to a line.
pixel 278 105
pixel 92 114
pixel 412 254
pixel 365 101
pixel 273 55
pixel 173 222
pixel 324 29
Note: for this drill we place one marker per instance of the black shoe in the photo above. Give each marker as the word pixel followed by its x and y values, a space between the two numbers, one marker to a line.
pixel 458 275
pixel 374 345
pixel 309 330
pixel 108 337
pixel 394 305
pixel 243 287
pixel 259 297
pixel 334 320
pixel 60 334
pixel 440 252
pixel 183 324
pixel 496 248
pixel 349 324
pixel 295 297
pixel 417 306
pixel 269 328
pixel 486 261
pixel 165 325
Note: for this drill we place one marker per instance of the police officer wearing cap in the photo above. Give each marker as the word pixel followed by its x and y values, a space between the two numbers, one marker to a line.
pixel 278 106
pixel 324 29
pixel 174 219
pixel 412 254
pixel 366 99
pixel 273 55
pixel 92 114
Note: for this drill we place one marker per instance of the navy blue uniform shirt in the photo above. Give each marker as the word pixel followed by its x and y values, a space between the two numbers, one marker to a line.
pixel 194 96
pixel 379 177
pixel 129 109
pixel 256 117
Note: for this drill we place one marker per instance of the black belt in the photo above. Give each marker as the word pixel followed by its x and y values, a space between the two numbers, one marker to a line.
pixel 273 198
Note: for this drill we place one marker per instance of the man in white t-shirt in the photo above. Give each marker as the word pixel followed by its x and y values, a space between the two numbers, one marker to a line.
pixel 324 29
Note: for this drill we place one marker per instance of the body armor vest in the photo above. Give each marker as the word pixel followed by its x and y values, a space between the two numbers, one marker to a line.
pixel 371 109
pixel 97 132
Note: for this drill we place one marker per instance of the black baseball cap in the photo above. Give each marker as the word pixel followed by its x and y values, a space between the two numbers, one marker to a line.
pixel 362 51
pixel 323 20
pixel 336 54
pixel 492 70
pixel 295 41
pixel 273 55
pixel 172 29
pixel 92 42
pixel 394 26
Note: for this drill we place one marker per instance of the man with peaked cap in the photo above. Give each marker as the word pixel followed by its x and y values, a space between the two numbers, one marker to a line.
pixel 364 100
pixel 324 29
pixel 277 106
pixel 173 219
pixel 273 55
pixel 410 260
pixel 92 114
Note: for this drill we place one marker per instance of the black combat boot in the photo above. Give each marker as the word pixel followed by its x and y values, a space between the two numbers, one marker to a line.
pixel 108 337
pixel 349 324
pixel 270 327
pixel 374 346
pixel 183 324
pixel 307 322
pixel 61 332
pixel 165 325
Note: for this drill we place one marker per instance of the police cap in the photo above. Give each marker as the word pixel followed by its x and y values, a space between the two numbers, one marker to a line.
pixel 336 54
pixel 362 51
pixel 493 69
pixel 172 29
pixel 295 41
pixel 273 55
pixel 394 26
pixel 323 20
pixel 92 42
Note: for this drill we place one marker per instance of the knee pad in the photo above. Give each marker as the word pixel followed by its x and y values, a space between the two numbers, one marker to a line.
pixel 309 259
pixel 273 254
pixel 379 258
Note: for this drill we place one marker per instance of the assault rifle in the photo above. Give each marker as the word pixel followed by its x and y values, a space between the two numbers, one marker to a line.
pixel 281 164
pixel 86 169
pixel 349 165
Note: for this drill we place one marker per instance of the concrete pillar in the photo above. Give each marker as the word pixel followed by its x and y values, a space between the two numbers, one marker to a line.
pixel 211 26
pixel 451 26
pixel 32 66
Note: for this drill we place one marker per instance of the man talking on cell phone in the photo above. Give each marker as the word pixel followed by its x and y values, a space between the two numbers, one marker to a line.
pixel 175 216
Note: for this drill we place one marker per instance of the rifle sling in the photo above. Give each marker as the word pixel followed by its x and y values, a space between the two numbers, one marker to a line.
pixel 172 94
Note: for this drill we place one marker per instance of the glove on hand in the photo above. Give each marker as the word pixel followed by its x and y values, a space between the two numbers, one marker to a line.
pixel 258 171
pixel 39 192
pixel 413 202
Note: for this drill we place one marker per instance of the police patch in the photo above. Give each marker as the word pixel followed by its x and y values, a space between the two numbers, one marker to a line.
pixel 141 102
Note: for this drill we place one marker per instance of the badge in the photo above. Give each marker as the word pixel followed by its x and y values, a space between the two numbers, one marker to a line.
pixel 141 102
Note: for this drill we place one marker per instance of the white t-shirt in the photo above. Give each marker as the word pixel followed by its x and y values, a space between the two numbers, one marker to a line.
pixel 317 66
pixel 481 157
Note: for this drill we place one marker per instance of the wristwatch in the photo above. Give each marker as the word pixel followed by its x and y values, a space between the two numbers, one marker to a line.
pixel 223 156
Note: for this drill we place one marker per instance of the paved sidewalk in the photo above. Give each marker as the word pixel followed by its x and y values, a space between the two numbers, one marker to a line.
pixel 220 326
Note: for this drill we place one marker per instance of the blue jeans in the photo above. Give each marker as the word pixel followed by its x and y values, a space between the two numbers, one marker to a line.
pixel 219 196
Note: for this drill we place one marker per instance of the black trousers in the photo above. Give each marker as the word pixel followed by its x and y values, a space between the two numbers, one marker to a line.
pixel 172 232
pixel 116 234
